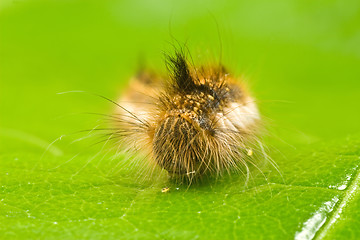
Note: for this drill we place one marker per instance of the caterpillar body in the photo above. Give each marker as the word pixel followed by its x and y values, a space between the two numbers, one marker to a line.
pixel 196 121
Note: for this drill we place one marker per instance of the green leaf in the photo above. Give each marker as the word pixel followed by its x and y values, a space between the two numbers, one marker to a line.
pixel 300 59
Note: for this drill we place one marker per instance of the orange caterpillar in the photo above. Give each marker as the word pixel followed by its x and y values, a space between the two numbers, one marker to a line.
pixel 196 122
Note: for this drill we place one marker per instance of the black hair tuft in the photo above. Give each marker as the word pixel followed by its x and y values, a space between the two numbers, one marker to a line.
pixel 180 73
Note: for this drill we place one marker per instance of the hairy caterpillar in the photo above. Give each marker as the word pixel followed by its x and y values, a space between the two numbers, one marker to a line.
pixel 197 121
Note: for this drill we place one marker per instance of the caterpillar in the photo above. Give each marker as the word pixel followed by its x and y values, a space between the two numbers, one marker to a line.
pixel 194 122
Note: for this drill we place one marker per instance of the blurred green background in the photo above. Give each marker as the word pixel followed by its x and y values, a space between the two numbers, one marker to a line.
pixel 301 60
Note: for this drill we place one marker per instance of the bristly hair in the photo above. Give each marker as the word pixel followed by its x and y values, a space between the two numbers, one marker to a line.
pixel 196 121
pixel 199 121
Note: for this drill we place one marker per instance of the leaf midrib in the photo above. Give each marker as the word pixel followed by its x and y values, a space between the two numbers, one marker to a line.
pixel 351 193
